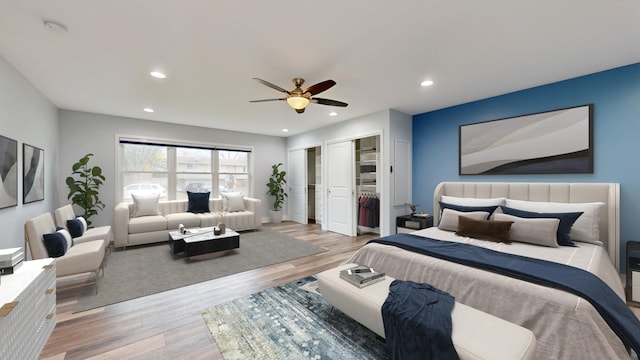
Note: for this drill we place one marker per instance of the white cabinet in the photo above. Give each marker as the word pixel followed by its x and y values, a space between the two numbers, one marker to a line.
pixel 27 309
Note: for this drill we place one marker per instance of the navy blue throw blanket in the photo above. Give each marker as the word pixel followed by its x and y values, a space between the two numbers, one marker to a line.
pixel 417 322
pixel 577 281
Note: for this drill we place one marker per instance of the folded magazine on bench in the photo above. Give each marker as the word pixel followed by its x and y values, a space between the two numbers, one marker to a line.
pixel 361 276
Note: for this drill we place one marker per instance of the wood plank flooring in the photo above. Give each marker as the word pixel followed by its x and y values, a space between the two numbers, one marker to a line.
pixel 169 325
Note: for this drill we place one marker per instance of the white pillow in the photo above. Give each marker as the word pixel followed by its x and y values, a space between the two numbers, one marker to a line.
pixel 232 202
pixel 449 220
pixel 472 201
pixel 585 229
pixel 83 221
pixel 67 237
pixel 536 231
pixel 145 205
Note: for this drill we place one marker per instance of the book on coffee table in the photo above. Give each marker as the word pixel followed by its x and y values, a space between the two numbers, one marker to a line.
pixel 361 276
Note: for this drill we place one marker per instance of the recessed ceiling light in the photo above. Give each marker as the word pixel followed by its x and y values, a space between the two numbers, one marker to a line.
pixel 426 83
pixel 149 110
pixel 285 130
pixel 333 113
pixel 158 75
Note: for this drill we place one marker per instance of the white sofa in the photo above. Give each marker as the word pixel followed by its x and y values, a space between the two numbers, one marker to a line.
pixel 130 230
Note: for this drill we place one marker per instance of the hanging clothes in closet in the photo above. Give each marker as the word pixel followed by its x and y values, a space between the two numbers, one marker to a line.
pixel 369 210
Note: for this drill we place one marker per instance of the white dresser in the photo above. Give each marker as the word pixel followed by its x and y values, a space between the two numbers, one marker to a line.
pixel 27 309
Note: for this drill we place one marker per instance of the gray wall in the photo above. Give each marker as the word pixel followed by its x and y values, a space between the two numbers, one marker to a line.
pixel 27 117
pixel 83 133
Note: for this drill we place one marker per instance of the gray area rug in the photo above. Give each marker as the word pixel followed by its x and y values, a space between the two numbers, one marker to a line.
pixel 291 321
pixel 145 270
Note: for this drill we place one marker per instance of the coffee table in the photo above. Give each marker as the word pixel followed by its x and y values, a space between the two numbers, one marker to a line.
pixel 201 243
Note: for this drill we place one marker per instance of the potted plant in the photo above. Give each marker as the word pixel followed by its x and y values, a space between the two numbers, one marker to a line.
pixel 276 189
pixel 84 183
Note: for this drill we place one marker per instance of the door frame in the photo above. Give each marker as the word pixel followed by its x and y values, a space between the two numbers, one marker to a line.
pixel 306 148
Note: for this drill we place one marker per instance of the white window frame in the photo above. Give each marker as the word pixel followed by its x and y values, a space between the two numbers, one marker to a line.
pixel 171 161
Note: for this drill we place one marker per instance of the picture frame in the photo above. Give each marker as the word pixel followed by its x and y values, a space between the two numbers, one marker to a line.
pixel 550 142
pixel 32 174
pixel 8 172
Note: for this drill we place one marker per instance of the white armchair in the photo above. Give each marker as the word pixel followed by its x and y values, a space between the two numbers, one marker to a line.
pixel 83 257
pixel 66 212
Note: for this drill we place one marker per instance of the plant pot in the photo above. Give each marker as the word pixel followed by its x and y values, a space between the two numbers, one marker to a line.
pixel 276 216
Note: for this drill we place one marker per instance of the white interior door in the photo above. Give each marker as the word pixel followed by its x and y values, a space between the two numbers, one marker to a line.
pixel 340 183
pixel 297 180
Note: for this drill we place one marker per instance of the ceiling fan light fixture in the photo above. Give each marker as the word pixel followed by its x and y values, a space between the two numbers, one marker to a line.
pixel 298 102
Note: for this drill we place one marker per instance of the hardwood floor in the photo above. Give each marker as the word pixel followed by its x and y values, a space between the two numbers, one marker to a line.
pixel 169 325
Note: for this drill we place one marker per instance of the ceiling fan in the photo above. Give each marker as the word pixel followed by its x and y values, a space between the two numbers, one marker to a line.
pixel 298 99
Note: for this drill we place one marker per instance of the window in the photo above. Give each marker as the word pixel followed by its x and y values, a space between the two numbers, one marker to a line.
pixel 171 169
pixel 233 171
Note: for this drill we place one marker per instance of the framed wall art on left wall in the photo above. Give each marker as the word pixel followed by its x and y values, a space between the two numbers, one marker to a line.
pixel 33 174
pixel 8 172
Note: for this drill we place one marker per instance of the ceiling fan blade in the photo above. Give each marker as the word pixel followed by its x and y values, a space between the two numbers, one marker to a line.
pixel 320 87
pixel 268 100
pixel 275 87
pixel 322 101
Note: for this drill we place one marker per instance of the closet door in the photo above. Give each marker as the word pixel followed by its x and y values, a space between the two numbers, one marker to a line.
pixel 297 181
pixel 340 183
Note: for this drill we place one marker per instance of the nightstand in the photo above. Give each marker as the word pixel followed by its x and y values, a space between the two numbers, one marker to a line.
pixel 409 223
pixel 633 271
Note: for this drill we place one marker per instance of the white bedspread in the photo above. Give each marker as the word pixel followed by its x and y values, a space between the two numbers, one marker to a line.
pixel 566 326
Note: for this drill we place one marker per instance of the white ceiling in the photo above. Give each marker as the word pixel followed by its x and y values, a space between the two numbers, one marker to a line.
pixel 377 51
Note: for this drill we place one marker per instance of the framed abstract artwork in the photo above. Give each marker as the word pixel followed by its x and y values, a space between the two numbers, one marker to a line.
pixel 551 142
pixel 8 172
pixel 33 174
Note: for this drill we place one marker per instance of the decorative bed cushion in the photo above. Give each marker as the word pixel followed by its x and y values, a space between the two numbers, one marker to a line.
pixel 232 202
pixel 491 230
pixel 449 219
pixel 472 201
pixel 585 229
pixel 533 231
pixel 198 202
pixel 464 208
pixel 145 205
pixel 564 228
pixel 57 243
pixel 77 226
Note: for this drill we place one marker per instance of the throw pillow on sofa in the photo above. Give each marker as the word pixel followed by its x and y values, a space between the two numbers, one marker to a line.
pixel 198 202
pixel 145 205
pixel 232 202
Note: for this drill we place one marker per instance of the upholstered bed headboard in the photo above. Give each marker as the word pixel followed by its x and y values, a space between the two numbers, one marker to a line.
pixel 608 193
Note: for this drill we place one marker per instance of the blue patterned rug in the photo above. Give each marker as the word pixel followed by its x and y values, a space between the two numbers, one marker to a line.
pixel 291 321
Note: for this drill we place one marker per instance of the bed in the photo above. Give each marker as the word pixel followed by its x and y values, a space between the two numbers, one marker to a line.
pixel 566 326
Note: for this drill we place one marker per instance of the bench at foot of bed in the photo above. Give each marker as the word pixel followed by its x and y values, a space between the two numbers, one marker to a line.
pixel 476 334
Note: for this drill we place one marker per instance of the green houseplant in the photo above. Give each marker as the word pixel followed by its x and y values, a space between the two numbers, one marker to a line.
pixel 84 183
pixel 276 189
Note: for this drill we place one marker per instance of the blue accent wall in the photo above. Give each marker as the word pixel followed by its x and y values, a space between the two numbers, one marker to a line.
pixel 615 94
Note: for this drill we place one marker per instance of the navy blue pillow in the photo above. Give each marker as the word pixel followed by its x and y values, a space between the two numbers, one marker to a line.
pixel 55 243
pixel 75 227
pixel 564 228
pixel 465 208
pixel 198 202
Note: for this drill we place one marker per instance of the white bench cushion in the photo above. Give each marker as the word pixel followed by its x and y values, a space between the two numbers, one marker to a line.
pixel 476 334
